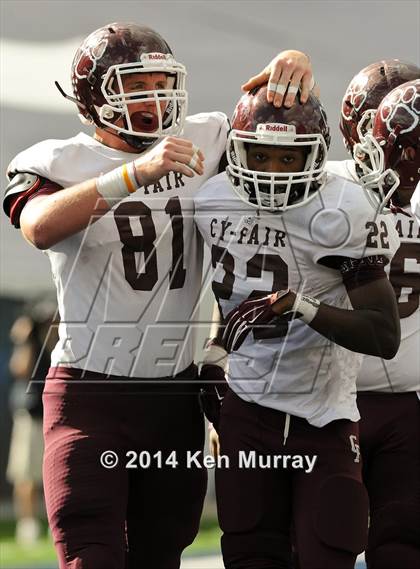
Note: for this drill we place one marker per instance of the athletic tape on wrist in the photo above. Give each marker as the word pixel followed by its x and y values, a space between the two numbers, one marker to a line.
pixel 129 177
pixel 216 356
pixel 306 307
pixel 117 184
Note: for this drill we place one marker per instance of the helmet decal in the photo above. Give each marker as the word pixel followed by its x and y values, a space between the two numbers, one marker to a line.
pixel 388 156
pixel 356 96
pixel 402 108
pixel 366 91
pixel 86 63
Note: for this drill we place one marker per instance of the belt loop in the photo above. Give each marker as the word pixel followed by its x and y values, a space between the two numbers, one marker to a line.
pixel 286 428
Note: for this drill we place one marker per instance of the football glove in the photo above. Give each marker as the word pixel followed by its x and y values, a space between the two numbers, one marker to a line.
pixel 213 381
pixel 257 315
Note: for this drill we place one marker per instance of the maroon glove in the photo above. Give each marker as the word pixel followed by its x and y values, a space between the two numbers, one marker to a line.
pixel 252 314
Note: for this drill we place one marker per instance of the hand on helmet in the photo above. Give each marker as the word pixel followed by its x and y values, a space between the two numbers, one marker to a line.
pixel 290 66
pixel 256 315
pixel 172 154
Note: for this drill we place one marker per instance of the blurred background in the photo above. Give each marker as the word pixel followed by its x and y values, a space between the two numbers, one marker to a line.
pixel 222 43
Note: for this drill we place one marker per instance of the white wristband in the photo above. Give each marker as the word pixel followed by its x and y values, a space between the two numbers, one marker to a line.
pixel 305 307
pixel 117 184
pixel 216 356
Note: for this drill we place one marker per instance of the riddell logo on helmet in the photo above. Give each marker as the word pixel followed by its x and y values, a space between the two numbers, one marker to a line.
pixel 276 128
pixel 155 56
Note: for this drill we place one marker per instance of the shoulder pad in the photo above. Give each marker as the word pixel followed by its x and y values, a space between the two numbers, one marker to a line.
pixel 21 183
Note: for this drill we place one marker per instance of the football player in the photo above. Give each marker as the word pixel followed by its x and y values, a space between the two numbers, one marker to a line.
pixel 389 428
pixel 298 272
pixel 388 156
pixel 111 212
pixel 360 102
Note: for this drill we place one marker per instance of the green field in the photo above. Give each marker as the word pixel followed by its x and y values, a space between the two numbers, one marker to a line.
pixel 11 555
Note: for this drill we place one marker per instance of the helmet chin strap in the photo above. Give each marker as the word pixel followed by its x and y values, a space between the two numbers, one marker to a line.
pixel 140 143
pixel 137 142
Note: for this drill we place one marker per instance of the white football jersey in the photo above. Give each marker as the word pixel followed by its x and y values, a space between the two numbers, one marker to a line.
pixel 402 373
pixel 129 284
pixel 343 168
pixel 256 251
pixel 415 202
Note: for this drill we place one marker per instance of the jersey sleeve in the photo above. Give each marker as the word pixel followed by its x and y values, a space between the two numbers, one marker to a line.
pixel 221 137
pixel 216 136
pixel 209 132
pixel 357 272
pixel 22 187
pixel 343 169
pixel 30 174
pixel 353 235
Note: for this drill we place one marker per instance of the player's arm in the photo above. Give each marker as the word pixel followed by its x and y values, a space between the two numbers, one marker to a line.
pixel 48 219
pixel 372 327
pixel 289 71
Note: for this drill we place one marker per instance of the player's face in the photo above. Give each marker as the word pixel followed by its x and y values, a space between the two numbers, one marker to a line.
pixel 143 115
pixel 267 158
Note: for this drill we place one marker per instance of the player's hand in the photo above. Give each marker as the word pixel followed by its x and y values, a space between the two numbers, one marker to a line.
pixel 256 315
pixel 212 392
pixel 214 445
pixel 290 66
pixel 172 154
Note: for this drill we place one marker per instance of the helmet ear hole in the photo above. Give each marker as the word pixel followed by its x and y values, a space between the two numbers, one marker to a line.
pixel 107 112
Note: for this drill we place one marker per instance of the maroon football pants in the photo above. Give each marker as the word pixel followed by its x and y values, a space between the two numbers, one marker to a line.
pixel 390 445
pixel 112 518
pixel 259 508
